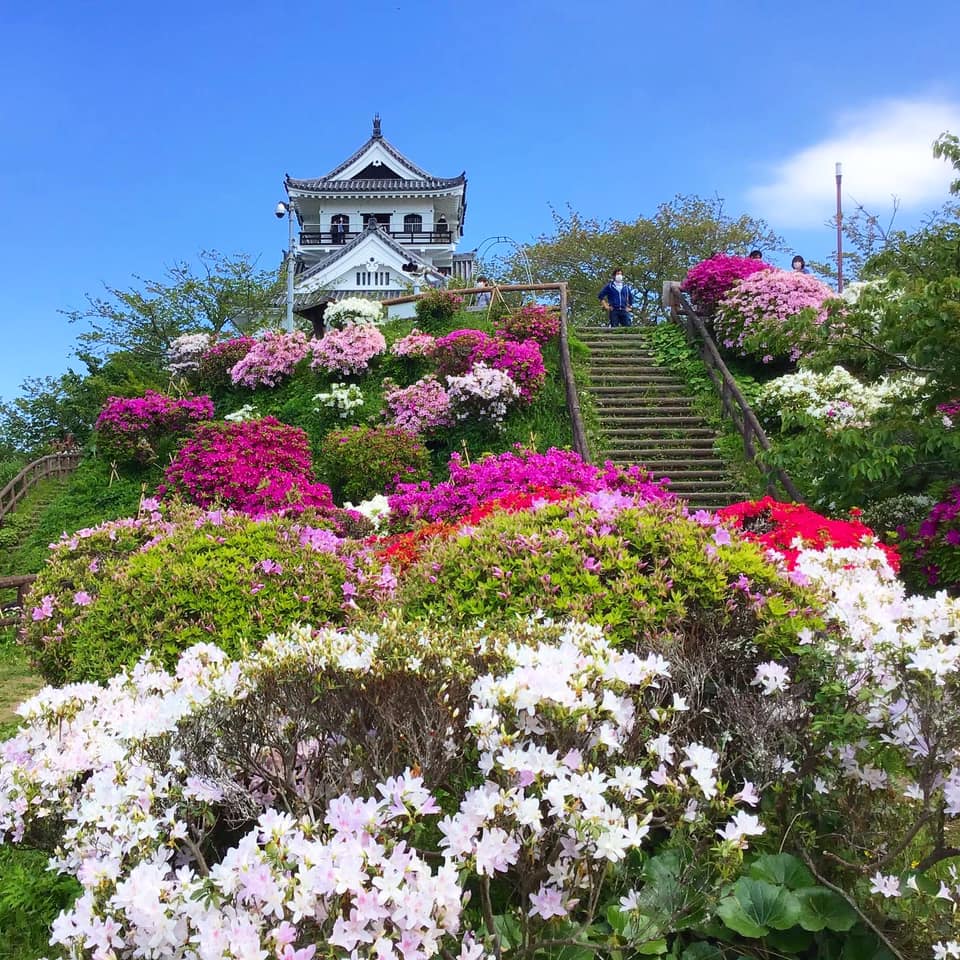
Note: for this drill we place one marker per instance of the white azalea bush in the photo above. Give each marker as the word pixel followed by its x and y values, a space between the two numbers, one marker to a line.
pixel 184 352
pixel 342 399
pixel 485 394
pixel 352 310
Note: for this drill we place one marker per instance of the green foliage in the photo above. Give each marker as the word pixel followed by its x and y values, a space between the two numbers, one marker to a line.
pixel 651 250
pixel 360 462
pixel 907 510
pixel 435 310
pixel 947 147
pixel 203 581
pixel 30 899
pixel 10 466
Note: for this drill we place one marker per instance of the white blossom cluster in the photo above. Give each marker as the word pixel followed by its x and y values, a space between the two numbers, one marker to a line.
pixel 344 398
pixel 485 393
pixel 184 353
pixel 354 310
pixel 836 398
pixel 376 509
pixel 247 412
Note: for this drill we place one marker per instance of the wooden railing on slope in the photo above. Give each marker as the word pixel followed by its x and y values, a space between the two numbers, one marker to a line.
pixel 734 402
pixel 52 465
pixel 579 433
pixel 11 612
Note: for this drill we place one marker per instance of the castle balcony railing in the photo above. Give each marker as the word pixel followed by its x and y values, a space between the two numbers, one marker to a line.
pixel 329 238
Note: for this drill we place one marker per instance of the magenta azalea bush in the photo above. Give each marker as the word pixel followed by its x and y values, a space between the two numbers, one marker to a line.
pixel 455 353
pixel 936 547
pixel 421 408
pixel 517 471
pixel 271 360
pixel 766 301
pixel 215 364
pixel 708 282
pixel 532 322
pixel 348 352
pixel 128 428
pixel 254 466
pixel 522 361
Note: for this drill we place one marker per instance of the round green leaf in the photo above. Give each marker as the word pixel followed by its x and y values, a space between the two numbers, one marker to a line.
pixel 782 868
pixel 820 907
pixel 757 907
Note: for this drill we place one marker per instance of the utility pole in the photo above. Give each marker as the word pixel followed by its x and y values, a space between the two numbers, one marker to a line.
pixel 839 231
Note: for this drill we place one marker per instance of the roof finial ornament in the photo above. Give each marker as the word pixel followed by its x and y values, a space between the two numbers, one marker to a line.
pixel 376 126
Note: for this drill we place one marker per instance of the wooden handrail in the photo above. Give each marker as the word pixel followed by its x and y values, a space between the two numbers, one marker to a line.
pixel 578 431
pixel 734 402
pixel 21 584
pixel 52 465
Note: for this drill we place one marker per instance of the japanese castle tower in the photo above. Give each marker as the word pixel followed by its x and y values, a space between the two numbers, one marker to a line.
pixel 375 224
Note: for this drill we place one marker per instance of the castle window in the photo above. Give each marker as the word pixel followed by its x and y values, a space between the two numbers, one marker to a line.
pixel 412 223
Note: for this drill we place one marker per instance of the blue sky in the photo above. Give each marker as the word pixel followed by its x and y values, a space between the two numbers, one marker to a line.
pixel 135 134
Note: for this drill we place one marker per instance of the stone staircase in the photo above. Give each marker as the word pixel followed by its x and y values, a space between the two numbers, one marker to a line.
pixel 646 417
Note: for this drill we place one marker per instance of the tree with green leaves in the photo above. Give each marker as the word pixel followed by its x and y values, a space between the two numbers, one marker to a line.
pixel 651 250
pixel 221 293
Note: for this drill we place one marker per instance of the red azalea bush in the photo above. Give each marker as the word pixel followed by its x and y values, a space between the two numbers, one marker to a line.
pixel 217 362
pixel 532 322
pixel 255 466
pixel 515 473
pixel 708 282
pixel 779 525
pixel 523 362
pixel 128 428
pixel 360 462
pixel 936 546
pixel 454 353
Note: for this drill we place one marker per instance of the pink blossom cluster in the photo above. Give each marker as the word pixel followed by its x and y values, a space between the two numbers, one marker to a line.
pixel 521 360
pixel 415 345
pixel 711 280
pixel 517 471
pixel 184 353
pixel 256 466
pixel 128 426
pixel 767 300
pixel 271 359
pixel 421 408
pixel 482 394
pixel 348 352
pixel 454 353
pixel 531 322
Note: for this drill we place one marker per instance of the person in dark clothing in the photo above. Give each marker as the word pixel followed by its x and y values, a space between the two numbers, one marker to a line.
pixel 617 299
pixel 756 254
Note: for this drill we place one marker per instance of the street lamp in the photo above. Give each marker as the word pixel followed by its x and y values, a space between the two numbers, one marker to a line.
pixel 839 232
pixel 288 209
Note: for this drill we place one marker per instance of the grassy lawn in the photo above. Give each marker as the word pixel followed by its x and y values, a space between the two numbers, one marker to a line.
pixel 17 682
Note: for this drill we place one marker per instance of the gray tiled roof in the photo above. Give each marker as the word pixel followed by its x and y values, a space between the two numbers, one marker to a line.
pixel 329 185
pixel 390 149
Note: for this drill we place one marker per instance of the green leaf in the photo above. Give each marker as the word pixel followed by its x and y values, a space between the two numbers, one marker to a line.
pixel 701 951
pixel 652 948
pixel 820 907
pixel 757 906
pixel 508 929
pixel 792 941
pixel 617 919
pixel 781 868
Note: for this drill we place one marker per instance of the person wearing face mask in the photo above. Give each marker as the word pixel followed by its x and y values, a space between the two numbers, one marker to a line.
pixel 617 299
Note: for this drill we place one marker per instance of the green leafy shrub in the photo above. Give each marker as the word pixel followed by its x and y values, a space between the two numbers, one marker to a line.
pixel 905 510
pixel 435 310
pixel 107 595
pixel 360 462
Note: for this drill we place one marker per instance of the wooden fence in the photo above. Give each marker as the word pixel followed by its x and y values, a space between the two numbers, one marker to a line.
pixel 11 610
pixel 52 465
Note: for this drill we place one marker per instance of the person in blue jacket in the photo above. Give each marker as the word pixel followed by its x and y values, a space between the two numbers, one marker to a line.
pixel 617 299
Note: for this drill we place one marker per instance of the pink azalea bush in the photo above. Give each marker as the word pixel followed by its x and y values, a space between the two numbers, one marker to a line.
pixel 184 353
pixel 516 471
pixel 128 428
pixel 271 359
pixel 532 322
pixel 415 345
pixel 483 394
pixel 522 360
pixel 766 301
pixel 711 280
pixel 454 354
pixel 421 408
pixel 254 466
pixel 348 352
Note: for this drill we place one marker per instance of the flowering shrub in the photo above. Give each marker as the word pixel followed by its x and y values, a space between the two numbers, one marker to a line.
pixel 348 352
pixel 342 398
pixel 421 408
pixel 271 359
pixel 128 428
pixel 164 582
pixel 483 394
pixel 435 310
pixel 789 528
pixel 359 462
pixel 837 398
pixel 766 301
pixel 711 280
pixel 935 548
pixel 255 466
pixel 415 345
pixel 454 353
pixel 523 362
pixel 184 353
pixel 515 472
pixel 247 412
pixel 353 310
pixel 532 322
pixel 949 412
pixel 215 364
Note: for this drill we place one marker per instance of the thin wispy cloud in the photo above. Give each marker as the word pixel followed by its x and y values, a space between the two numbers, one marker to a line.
pixel 886 151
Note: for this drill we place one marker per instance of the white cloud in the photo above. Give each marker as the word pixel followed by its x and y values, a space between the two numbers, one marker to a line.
pixel 885 149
